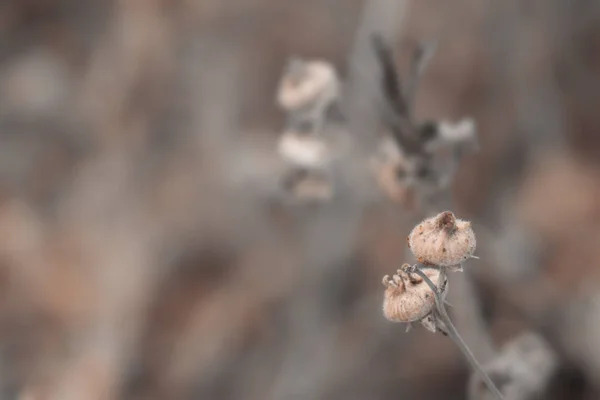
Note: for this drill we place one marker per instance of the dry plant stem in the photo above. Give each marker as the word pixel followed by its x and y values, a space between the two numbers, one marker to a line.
pixel 420 60
pixel 453 333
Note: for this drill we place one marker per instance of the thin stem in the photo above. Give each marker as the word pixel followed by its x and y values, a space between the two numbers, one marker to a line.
pixel 395 110
pixel 420 60
pixel 453 333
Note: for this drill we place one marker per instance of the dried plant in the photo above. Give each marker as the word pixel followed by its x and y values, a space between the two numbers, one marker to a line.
pixel 416 160
pixel 443 240
pixel 408 298
pixel 308 92
pixel 439 243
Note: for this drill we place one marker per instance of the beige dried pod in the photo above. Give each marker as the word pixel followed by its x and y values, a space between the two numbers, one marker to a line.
pixel 308 84
pixel 408 298
pixel 394 188
pixel 304 151
pixel 443 240
pixel 389 166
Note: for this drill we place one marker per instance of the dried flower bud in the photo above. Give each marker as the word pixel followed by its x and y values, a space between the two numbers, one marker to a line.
pixel 408 298
pixel 308 84
pixel 442 240
pixel 393 187
pixel 303 151
pixel 390 169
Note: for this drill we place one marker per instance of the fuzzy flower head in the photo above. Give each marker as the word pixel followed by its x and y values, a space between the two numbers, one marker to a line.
pixel 408 298
pixel 443 240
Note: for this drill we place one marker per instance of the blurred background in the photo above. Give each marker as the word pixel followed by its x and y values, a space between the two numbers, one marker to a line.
pixel 145 252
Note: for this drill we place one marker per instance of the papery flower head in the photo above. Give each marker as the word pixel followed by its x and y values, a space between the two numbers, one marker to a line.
pixel 408 298
pixel 443 240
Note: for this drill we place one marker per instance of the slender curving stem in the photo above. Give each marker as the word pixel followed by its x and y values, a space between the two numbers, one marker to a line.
pixel 453 333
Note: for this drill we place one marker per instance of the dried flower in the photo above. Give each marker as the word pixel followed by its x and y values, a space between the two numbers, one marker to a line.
pixel 303 150
pixel 308 90
pixel 390 169
pixel 394 187
pixel 307 83
pixel 408 298
pixel 443 241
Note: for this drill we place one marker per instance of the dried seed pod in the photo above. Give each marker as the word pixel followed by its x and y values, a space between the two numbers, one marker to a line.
pixel 443 240
pixel 390 168
pixel 408 298
pixel 308 85
pixel 304 151
pixel 394 188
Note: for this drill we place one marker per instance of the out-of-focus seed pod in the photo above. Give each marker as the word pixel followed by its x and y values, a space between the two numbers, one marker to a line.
pixel 408 298
pixel 308 85
pixel 443 240
pixel 390 169
pixel 304 151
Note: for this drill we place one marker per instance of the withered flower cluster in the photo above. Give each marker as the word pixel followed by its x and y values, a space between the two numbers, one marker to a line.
pixel 439 243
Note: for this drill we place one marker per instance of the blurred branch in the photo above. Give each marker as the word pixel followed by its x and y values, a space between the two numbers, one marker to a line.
pixel 420 60
pixel 391 82
pixel 393 102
